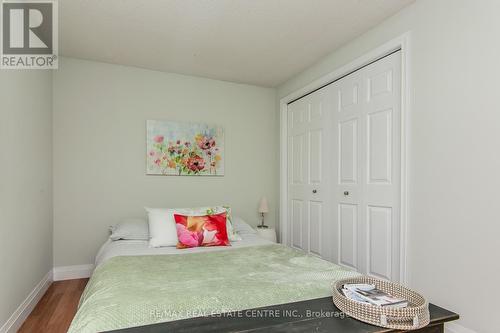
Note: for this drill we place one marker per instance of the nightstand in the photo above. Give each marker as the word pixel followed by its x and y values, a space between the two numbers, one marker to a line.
pixel 267 233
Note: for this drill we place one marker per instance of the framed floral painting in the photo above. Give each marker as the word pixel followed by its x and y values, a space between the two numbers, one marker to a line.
pixel 175 148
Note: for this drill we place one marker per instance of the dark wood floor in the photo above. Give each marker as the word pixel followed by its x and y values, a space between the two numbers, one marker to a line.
pixel 56 309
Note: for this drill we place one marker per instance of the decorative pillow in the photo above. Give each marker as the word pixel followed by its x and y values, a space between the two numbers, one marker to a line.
pixel 162 227
pixel 208 230
pixel 131 229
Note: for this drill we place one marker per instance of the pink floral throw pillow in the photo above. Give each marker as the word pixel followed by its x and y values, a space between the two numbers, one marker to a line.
pixel 194 231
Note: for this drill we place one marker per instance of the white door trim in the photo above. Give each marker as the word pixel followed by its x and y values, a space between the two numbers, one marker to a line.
pixel 402 42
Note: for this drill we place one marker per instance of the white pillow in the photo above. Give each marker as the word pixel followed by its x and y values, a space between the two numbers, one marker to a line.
pixel 162 229
pixel 136 229
pixel 242 227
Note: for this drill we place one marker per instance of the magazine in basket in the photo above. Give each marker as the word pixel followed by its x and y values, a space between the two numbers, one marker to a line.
pixel 370 294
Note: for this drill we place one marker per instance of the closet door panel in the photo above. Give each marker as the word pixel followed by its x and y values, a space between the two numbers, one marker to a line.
pixel 316 222
pixel 380 147
pixel 348 221
pixel 307 189
pixel 296 215
pixel 368 150
pixel 316 156
pixel 348 151
pixel 380 242
pixel 382 185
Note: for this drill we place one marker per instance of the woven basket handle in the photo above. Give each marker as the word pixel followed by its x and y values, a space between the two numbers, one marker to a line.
pixel 408 321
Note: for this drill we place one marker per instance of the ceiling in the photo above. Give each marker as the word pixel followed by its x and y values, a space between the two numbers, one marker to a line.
pixel 261 42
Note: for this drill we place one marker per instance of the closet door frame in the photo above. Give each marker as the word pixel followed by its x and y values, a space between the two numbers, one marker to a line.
pixel 400 43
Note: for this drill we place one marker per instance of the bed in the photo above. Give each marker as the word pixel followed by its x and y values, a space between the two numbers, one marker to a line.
pixel 138 289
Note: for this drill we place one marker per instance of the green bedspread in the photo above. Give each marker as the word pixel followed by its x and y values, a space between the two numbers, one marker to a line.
pixel 139 290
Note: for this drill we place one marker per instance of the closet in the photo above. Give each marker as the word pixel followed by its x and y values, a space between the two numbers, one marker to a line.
pixel 344 170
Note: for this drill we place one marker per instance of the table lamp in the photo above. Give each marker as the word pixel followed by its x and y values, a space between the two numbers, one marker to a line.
pixel 263 208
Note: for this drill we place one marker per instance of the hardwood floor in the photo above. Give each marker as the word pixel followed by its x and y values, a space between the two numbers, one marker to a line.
pixel 56 309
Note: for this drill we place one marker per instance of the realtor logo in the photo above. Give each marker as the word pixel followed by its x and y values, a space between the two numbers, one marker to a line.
pixel 29 34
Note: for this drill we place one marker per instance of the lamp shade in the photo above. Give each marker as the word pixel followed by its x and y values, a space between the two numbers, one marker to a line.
pixel 263 206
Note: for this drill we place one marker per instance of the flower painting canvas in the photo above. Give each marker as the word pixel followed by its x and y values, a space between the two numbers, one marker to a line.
pixel 175 148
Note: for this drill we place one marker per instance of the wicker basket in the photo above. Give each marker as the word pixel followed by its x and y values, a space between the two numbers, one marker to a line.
pixel 415 316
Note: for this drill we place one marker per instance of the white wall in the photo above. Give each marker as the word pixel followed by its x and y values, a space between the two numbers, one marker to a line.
pixel 25 184
pixel 454 149
pixel 100 112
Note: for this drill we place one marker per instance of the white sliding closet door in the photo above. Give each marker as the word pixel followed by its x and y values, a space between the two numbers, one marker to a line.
pixel 308 174
pixel 344 168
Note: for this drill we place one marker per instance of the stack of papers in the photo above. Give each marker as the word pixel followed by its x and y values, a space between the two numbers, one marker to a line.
pixel 369 294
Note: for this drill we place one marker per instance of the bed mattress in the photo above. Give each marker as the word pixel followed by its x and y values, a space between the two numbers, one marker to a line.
pixel 112 249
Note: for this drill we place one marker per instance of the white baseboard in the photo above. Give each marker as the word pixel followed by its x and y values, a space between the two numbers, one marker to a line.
pixel 72 272
pixel 57 274
pixel 22 312
pixel 456 328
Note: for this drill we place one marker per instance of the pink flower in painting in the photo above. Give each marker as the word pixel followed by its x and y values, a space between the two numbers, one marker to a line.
pixel 157 162
pixel 152 153
pixel 158 139
pixel 196 163
pixel 186 237
pixel 205 143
